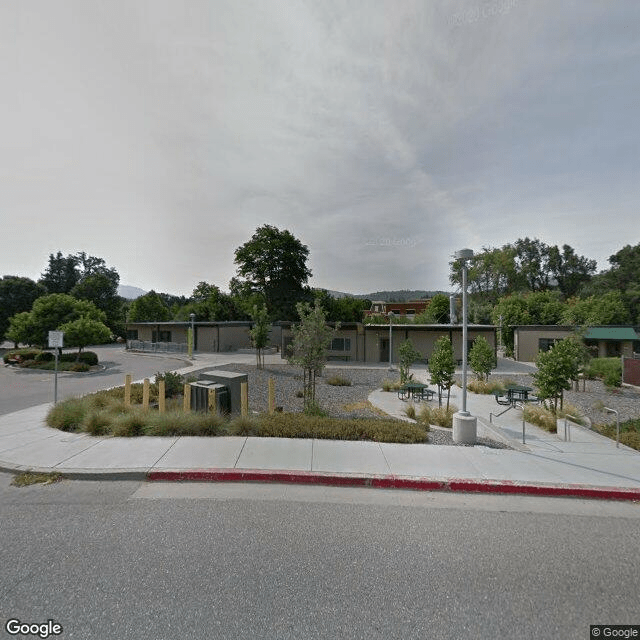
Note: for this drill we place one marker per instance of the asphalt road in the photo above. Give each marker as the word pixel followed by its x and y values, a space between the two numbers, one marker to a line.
pixel 139 560
pixel 23 388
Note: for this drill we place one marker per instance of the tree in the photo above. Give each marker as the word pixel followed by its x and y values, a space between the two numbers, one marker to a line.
pixel 260 332
pixel 482 358
pixel 437 312
pixel 61 274
pixel 273 263
pixel 83 332
pixel 605 309
pixel 408 355
pixel 209 303
pixel 101 288
pixel 48 314
pixel 557 367
pixel 570 270
pixel 17 294
pixel 532 263
pixel 508 313
pixel 149 308
pixel 311 339
pixel 442 367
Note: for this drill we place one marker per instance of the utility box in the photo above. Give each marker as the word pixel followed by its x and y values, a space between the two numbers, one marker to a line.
pixel 230 379
pixel 200 397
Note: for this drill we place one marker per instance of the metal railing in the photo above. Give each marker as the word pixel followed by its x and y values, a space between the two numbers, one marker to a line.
pixel 157 347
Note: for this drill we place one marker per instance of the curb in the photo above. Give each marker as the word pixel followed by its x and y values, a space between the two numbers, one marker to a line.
pixel 395 482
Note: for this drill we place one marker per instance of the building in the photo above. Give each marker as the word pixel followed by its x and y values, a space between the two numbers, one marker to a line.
pixel 408 309
pixel 210 337
pixel 359 342
pixel 603 341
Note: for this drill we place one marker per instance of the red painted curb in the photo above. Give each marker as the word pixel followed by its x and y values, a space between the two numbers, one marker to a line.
pixel 393 482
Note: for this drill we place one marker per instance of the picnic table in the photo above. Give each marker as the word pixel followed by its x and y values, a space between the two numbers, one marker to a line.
pixel 514 393
pixel 417 391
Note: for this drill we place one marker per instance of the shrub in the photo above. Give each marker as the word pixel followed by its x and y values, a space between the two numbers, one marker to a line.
pixel 67 415
pixel 604 367
pixel 410 412
pixel 314 409
pixel 88 357
pixel 18 355
pixel 97 423
pixel 79 367
pixel 484 387
pixel 129 424
pixel 390 385
pixel 173 383
pixel 541 416
pixel 242 426
pixel 299 393
pixel 178 423
pixel 45 356
pixel 339 381
pixel 631 439
pixel 441 416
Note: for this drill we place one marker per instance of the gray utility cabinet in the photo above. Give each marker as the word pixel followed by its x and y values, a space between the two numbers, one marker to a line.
pixel 200 397
pixel 230 379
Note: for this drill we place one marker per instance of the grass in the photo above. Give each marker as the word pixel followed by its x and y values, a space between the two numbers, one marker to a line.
pixel 105 414
pixel 629 432
pixel 28 478
pixel 364 405
pixel 410 411
pixel 546 419
pixel 390 385
pixel 440 416
pixel 339 381
pixel 484 387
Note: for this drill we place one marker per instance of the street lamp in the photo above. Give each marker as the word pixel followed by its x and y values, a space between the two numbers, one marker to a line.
pixel 464 424
pixel 192 317
pixel 390 316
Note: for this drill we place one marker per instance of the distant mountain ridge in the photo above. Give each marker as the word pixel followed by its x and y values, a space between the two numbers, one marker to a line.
pixel 401 295
pixel 129 292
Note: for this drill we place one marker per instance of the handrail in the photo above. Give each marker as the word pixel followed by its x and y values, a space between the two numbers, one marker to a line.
pixel 617 424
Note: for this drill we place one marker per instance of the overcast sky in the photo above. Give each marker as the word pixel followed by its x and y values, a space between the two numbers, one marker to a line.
pixel 385 135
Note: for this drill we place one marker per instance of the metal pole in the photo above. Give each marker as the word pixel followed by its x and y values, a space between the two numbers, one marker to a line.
pixel 390 340
pixel 464 337
pixel 55 381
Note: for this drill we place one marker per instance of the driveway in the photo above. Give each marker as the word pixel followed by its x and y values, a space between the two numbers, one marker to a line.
pixel 24 388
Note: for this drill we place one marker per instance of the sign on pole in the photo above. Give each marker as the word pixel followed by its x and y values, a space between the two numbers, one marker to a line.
pixel 56 339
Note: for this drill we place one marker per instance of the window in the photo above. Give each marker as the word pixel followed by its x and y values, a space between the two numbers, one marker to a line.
pixel 132 334
pixel 341 344
pixel 161 336
pixel 411 312
pixel 544 344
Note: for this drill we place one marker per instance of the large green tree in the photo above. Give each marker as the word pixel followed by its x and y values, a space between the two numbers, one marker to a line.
pixel 570 270
pixel 274 264
pixel 83 332
pixel 149 308
pixel 17 294
pixel 62 273
pixel 48 314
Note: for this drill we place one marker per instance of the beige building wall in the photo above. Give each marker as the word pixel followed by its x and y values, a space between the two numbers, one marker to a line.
pixel 526 341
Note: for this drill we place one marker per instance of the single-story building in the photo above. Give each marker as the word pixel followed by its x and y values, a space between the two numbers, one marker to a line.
pixel 359 342
pixel 603 341
pixel 405 309
pixel 210 337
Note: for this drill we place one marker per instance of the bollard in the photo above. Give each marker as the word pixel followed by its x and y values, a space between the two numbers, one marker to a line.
pixel 213 405
pixel 161 398
pixel 244 399
pixel 145 394
pixel 272 396
pixel 187 397
pixel 127 390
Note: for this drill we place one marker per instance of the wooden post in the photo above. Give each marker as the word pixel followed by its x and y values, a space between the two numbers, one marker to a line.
pixel 213 405
pixel 145 394
pixel 244 399
pixel 272 396
pixel 127 390
pixel 161 398
pixel 187 397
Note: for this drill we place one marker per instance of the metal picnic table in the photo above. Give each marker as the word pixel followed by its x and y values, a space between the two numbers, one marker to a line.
pixel 417 391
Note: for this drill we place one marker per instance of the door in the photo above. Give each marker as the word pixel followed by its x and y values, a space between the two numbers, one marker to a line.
pixel 384 349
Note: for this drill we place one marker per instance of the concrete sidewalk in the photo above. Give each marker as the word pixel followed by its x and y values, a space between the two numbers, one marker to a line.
pixel 588 466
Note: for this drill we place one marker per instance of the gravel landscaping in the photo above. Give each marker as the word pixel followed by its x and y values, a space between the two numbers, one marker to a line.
pixel 339 402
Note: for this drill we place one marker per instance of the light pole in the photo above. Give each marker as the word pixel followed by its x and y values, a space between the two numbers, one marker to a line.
pixel 464 424
pixel 390 316
pixel 192 317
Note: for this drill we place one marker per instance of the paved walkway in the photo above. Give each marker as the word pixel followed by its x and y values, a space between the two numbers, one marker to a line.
pixel 589 465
